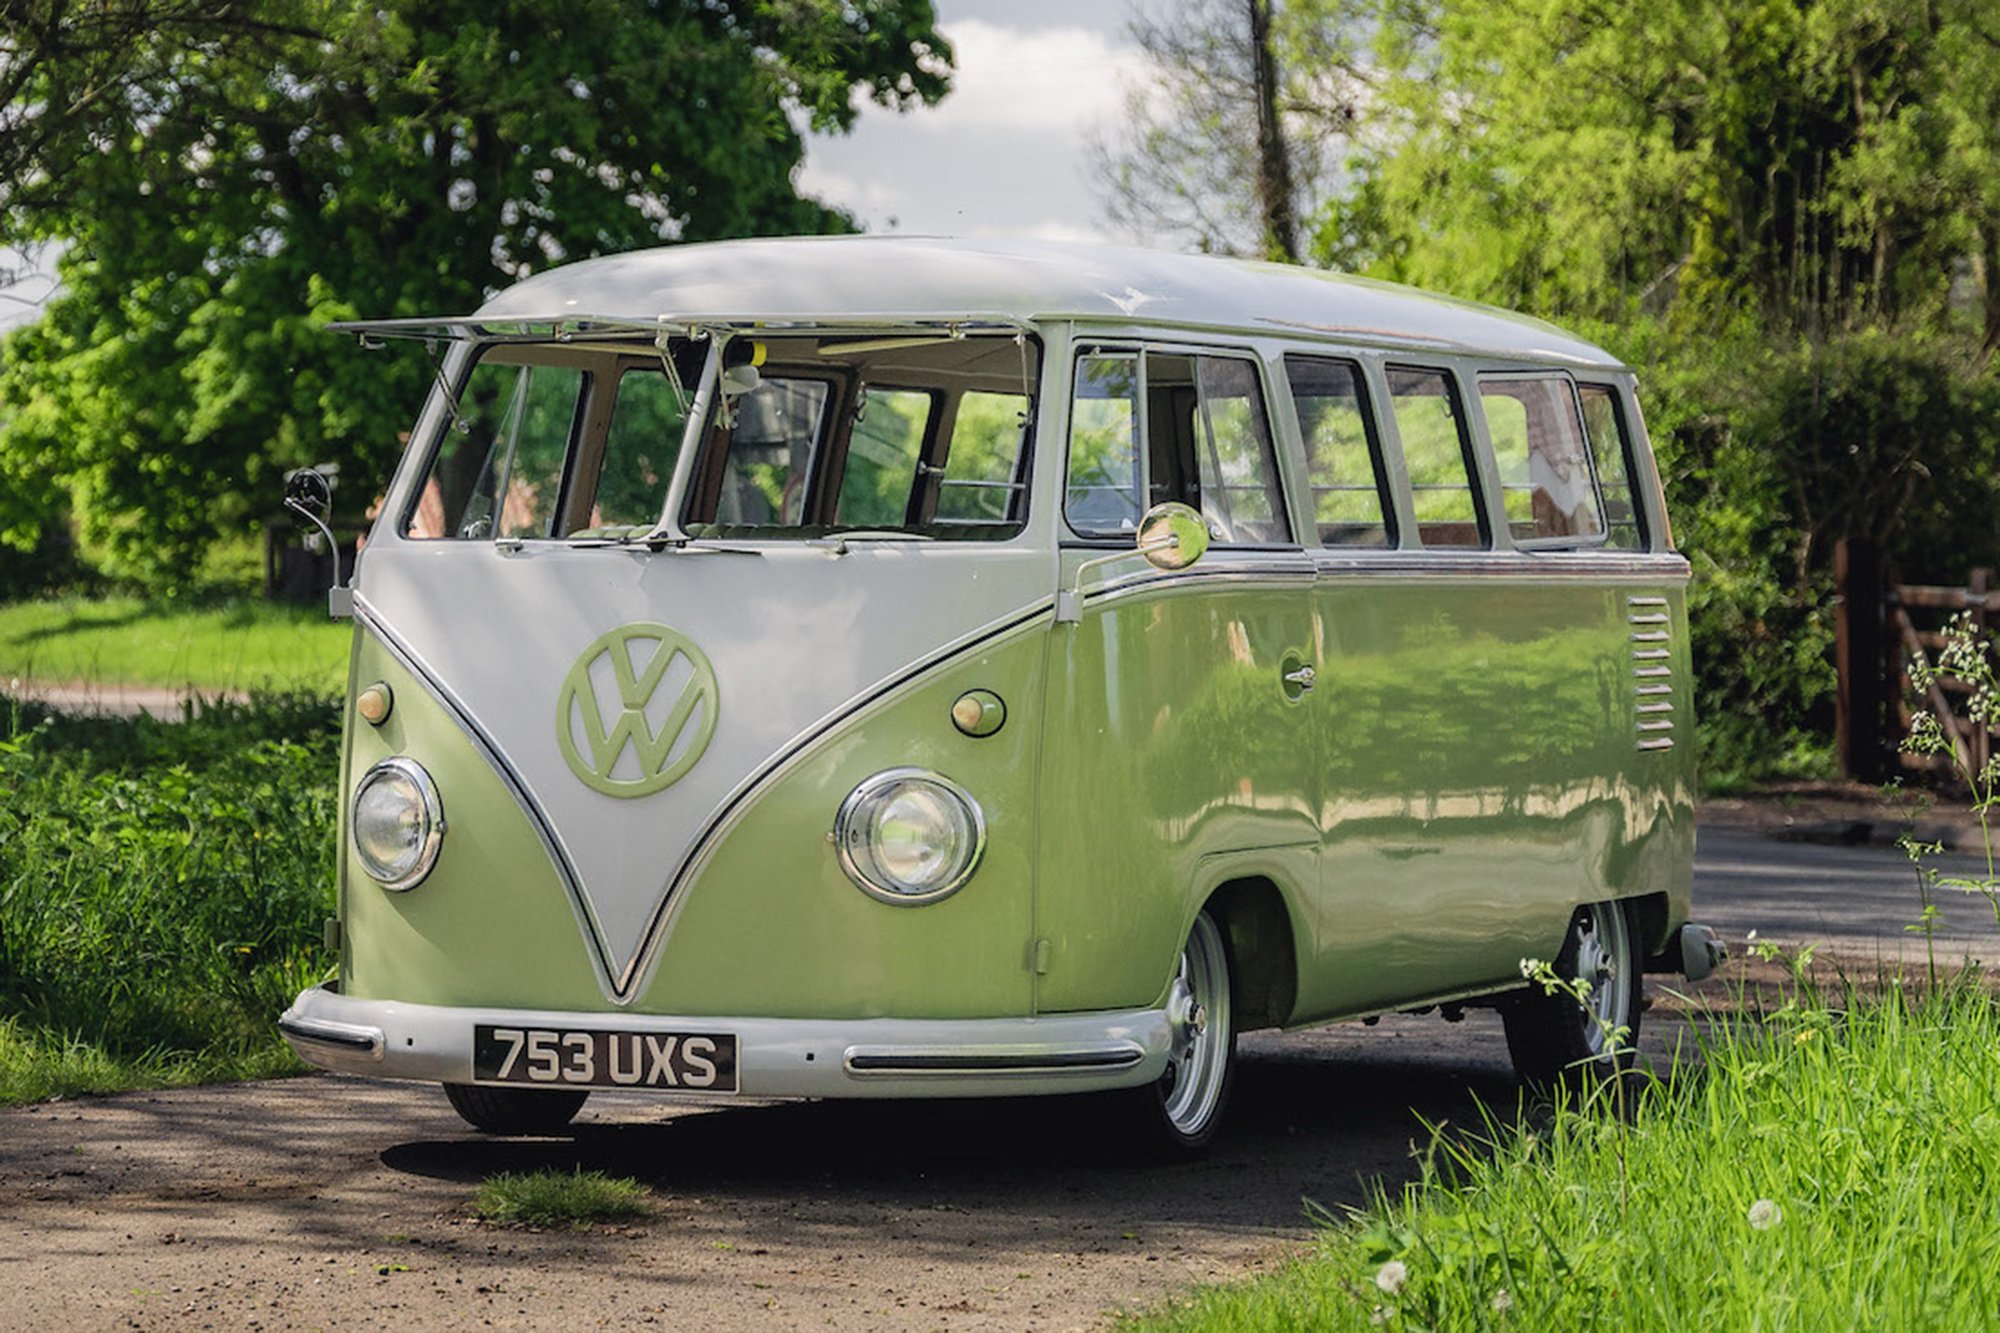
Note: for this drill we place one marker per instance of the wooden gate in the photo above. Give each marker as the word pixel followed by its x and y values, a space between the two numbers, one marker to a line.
pixel 1915 616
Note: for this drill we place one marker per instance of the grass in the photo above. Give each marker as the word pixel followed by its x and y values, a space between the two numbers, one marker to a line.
pixel 233 646
pixel 554 1198
pixel 1829 1167
pixel 162 891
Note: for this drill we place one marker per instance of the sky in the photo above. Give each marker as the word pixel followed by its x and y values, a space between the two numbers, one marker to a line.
pixel 1007 150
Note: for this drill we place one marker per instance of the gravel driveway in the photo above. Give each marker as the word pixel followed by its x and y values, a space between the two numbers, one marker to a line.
pixel 338 1203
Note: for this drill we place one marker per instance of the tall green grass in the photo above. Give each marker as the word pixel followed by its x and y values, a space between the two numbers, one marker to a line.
pixel 245 644
pixel 162 891
pixel 1834 1166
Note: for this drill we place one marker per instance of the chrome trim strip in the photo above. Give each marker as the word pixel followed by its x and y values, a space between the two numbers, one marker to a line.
pixel 1659 725
pixel 1505 564
pixel 1650 654
pixel 1659 707
pixel 1652 672
pixel 365 615
pixel 776 1057
pixel 1650 636
pixel 1644 690
pixel 1658 743
pixel 1645 601
pixel 1655 618
pixel 865 1061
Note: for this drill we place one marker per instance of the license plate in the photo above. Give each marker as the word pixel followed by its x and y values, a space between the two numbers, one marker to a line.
pixel 602 1058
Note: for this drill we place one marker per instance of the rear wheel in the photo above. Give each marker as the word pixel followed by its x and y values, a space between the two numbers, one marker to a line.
pixel 1184 1107
pixel 1552 1037
pixel 514 1110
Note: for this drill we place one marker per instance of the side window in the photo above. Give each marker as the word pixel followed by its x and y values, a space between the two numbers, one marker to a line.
pixel 1101 497
pixel 1435 450
pixel 982 468
pixel 640 446
pixel 884 447
pixel 1545 476
pixel 1611 446
pixel 498 469
pixel 1343 460
pixel 1234 464
pixel 1206 442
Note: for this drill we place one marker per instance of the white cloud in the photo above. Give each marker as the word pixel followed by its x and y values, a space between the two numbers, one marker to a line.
pixel 1006 151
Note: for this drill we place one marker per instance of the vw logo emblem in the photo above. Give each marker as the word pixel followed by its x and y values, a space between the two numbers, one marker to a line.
pixel 648 731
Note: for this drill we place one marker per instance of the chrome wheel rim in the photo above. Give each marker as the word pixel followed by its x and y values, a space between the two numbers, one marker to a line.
pixel 1603 952
pixel 1198 1020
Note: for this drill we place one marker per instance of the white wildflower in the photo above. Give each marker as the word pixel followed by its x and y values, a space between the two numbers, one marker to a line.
pixel 1503 1301
pixel 1765 1214
pixel 1391 1276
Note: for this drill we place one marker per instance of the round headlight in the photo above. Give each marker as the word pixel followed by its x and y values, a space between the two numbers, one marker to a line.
pixel 396 823
pixel 908 836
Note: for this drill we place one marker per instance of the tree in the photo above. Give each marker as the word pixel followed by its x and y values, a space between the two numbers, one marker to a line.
pixel 1249 94
pixel 232 176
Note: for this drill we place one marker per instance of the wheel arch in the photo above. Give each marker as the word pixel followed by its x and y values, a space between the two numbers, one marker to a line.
pixel 1257 921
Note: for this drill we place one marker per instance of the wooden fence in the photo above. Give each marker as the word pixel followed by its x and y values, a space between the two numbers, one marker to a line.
pixel 1914 618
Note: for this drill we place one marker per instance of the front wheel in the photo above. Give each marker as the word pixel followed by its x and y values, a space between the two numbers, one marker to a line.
pixel 1591 1035
pixel 514 1110
pixel 1184 1107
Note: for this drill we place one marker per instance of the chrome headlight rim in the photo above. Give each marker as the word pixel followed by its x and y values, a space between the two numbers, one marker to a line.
pixel 851 834
pixel 433 840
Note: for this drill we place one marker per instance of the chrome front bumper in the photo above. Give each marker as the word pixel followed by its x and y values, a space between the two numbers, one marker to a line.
pixel 777 1057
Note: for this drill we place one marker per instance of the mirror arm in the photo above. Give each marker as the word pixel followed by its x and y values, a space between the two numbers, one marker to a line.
pixel 340 597
pixel 1069 601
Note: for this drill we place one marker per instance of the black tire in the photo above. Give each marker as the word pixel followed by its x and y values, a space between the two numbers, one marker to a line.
pixel 515 1110
pixel 1553 1038
pixel 1183 1109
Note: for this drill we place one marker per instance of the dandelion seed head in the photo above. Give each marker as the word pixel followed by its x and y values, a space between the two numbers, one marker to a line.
pixel 1503 1301
pixel 1764 1214
pixel 1391 1276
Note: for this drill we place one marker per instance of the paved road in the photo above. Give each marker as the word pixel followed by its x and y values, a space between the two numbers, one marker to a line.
pixel 1855 901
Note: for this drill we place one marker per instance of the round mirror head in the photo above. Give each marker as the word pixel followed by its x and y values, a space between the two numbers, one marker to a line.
pixel 1173 536
pixel 307 489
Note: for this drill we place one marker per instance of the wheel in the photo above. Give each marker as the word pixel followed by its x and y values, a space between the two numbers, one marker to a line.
pixel 514 1110
pixel 1184 1107
pixel 1553 1037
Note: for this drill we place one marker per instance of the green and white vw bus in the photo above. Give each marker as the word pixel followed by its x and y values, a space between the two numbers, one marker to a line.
pixel 886 667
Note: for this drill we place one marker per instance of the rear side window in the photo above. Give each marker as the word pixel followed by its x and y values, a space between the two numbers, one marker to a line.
pixel 1147 429
pixel 1611 447
pixel 1343 460
pixel 885 448
pixel 1545 473
pixel 982 468
pixel 1437 454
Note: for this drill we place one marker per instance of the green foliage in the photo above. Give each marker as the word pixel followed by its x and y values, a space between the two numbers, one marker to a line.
pixel 237 176
pixel 1829 1166
pixel 554 1198
pixel 162 889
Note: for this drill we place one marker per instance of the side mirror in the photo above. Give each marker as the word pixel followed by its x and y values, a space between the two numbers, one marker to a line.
pixel 1172 536
pixel 307 492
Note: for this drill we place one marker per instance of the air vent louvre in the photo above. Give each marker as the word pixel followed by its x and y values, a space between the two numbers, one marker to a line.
pixel 1652 671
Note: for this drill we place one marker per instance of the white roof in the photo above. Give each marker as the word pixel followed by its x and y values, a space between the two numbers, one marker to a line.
pixel 846 279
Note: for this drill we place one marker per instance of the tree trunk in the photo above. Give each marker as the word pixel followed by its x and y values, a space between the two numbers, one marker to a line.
pixel 1274 167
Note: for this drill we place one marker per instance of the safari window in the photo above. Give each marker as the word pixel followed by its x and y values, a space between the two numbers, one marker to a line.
pixel 1611 447
pixel 1343 460
pixel 641 444
pixel 1545 474
pixel 765 469
pixel 498 467
pixel 1436 455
